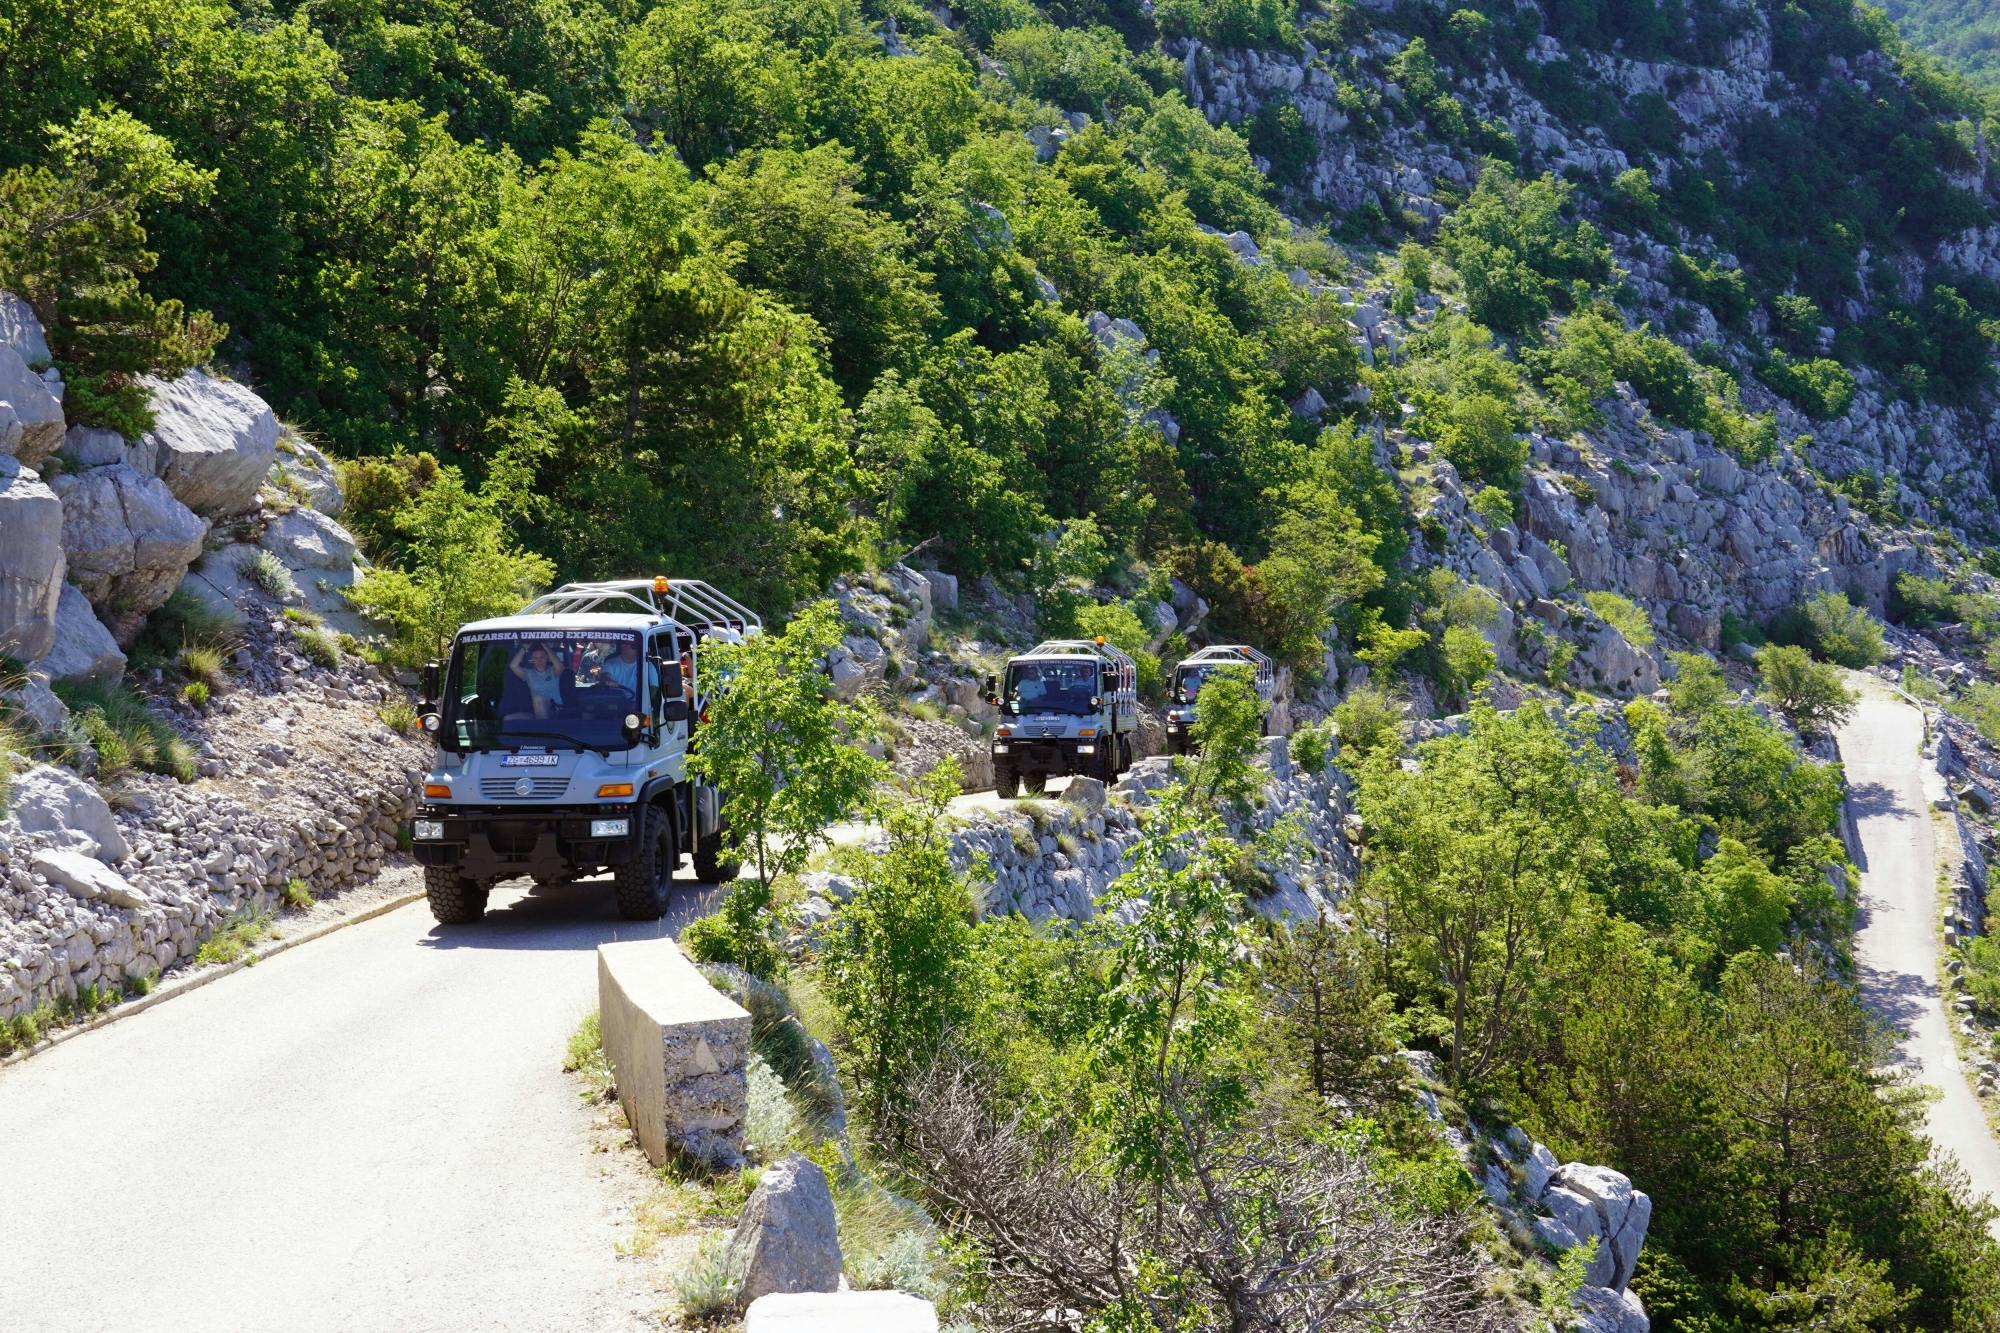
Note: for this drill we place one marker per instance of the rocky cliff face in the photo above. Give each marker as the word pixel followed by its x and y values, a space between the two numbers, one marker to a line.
pixel 295 774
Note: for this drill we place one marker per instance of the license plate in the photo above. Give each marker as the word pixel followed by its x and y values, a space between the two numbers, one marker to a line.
pixel 530 760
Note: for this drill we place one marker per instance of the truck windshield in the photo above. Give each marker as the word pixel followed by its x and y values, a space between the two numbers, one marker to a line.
pixel 554 690
pixel 1188 682
pixel 1051 687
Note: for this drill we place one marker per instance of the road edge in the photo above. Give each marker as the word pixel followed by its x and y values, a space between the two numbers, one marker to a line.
pixel 196 980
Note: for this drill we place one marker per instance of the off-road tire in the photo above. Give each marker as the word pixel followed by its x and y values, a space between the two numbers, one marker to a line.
pixel 1005 780
pixel 708 857
pixel 455 900
pixel 645 884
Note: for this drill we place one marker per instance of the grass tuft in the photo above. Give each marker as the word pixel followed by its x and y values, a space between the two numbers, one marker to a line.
pixel 126 734
pixel 319 647
pixel 266 572
pixel 584 1057
pixel 706 1288
pixel 296 895
pixel 238 937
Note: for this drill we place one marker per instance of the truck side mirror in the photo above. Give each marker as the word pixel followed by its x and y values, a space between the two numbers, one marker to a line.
pixel 433 682
pixel 671 684
pixel 676 710
pixel 992 689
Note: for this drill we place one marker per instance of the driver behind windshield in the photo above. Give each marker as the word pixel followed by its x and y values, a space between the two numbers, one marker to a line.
pixel 621 668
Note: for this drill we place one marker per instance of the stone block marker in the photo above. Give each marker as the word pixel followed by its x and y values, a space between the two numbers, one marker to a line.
pixel 841 1312
pixel 677 1048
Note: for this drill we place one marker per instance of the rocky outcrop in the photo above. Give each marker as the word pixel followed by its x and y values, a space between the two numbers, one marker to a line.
pixel 128 541
pixel 56 802
pixel 787 1239
pixel 213 442
pixel 31 562
pixel 83 648
pixel 31 417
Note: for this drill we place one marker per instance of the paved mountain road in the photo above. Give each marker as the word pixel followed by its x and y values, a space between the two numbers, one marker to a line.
pixel 1897 948
pixel 370 1132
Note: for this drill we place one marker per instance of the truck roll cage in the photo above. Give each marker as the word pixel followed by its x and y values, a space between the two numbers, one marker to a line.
pixel 698 606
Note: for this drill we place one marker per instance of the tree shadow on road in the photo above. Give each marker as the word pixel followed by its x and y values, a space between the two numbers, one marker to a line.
pixel 1897 999
pixel 1868 799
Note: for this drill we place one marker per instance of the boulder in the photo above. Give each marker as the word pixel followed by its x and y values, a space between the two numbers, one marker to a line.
pixel 93 446
pixel 305 469
pixel 308 539
pixel 1085 793
pixel 87 877
pixel 21 330
pixel 83 648
pixel 31 562
pixel 944 589
pixel 129 541
pixel 1623 1215
pixel 1607 660
pixel 34 701
pixel 1580 1217
pixel 35 406
pixel 1601 1310
pixel 840 1312
pixel 55 801
pixel 787 1239
pixel 214 442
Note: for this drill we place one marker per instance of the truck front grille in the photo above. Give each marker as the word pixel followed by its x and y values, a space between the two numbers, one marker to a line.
pixel 508 789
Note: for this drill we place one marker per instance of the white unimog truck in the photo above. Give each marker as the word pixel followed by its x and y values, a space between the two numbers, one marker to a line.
pixel 563 739
pixel 1194 671
pixel 1068 707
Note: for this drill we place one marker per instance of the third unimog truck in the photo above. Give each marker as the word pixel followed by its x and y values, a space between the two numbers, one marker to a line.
pixel 563 735
pixel 1068 707
pixel 1194 670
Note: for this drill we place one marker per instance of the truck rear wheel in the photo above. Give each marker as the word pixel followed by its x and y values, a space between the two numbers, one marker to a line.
pixel 645 884
pixel 455 899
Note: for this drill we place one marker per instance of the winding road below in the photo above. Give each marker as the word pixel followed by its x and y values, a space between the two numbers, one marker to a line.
pixel 1896 947
pixel 370 1132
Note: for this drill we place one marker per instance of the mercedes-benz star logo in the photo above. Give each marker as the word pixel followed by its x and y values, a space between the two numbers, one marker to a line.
pixel 523 787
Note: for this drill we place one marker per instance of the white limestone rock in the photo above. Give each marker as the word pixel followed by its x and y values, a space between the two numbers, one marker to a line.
pixel 215 441
pixel 87 877
pixel 21 330
pixel 35 407
pixel 83 647
pixel 54 801
pixel 787 1239
pixel 31 562
pixel 128 540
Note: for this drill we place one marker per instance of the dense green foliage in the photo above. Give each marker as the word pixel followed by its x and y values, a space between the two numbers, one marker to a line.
pixel 1965 33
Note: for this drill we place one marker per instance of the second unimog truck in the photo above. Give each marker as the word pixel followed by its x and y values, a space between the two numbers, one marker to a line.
pixel 1194 670
pixel 1068 707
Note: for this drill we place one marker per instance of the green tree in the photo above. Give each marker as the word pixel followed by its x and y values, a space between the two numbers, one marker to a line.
pixel 1228 730
pixel 1476 869
pixel 1809 693
pixel 1838 630
pixel 780 747
pixel 896 960
pixel 73 245
pixel 459 564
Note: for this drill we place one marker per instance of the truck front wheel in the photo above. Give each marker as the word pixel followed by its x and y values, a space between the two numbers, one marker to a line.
pixel 455 899
pixel 645 883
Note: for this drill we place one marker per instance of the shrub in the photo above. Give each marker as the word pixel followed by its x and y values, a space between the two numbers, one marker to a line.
pixel 195 694
pixel 1819 387
pixel 126 733
pixel 319 647
pixel 296 895
pixel 266 572
pixel 1837 630
pixel 1809 693
pixel 1368 720
pixel 1312 747
pixel 1921 601
pixel 1494 505
pixel 1623 615
pixel 706 1288
pixel 235 939
pixel 398 715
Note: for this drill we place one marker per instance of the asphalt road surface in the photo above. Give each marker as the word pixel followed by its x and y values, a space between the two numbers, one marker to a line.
pixel 1897 947
pixel 372 1131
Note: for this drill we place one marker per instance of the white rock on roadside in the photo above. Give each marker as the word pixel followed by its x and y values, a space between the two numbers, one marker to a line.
pixel 787 1239
pixel 55 801
pixel 87 877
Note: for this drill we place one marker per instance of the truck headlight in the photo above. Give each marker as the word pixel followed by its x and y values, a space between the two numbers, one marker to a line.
pixel 427 830
pixel 999 749
pixel 1086 749
pixel 610 828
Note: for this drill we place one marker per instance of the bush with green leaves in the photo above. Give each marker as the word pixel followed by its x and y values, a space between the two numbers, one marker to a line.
pixel 1622 614
pixel 1811 694
pixel 1836 630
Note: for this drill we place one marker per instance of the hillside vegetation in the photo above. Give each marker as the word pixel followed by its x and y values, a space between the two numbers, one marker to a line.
pixel 1963 33
pixel 1489 361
